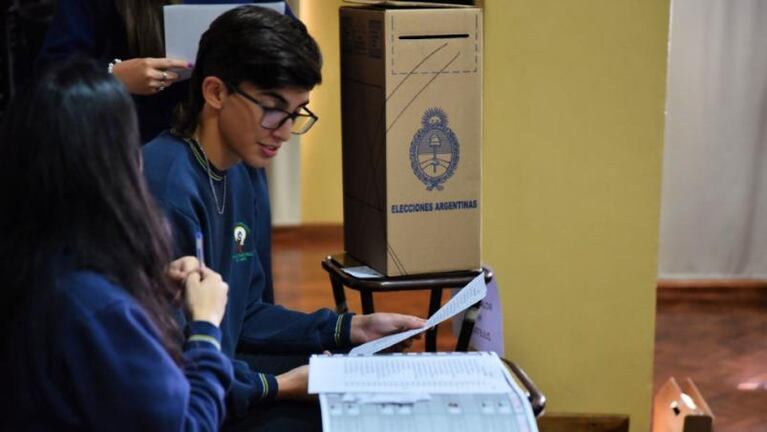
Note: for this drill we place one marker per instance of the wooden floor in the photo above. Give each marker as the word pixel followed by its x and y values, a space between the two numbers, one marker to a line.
pixel 718 340
pixel 721 345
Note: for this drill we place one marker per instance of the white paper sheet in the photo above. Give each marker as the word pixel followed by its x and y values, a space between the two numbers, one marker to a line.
pixel 469 295
pixel 362 272
pixel 382 398
pixel 434 373
pixel 185 24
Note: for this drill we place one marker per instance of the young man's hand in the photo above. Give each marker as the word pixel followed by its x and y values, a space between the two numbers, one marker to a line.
pixel 366 328
pixel 294 384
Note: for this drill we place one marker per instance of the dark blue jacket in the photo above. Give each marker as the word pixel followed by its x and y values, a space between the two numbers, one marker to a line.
pixel 177 177
pixel 95 29
pixel 87 357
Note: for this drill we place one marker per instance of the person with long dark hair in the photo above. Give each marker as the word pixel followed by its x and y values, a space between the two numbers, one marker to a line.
pixel 90 340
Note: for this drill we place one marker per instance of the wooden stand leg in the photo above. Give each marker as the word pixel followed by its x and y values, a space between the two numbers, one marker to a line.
pixel 435 301
pixel 367 301
pixel 467 327
pixel 338 295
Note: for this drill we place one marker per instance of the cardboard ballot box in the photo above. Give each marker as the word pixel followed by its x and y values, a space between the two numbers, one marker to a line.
pixel 411 90
pixel 681 409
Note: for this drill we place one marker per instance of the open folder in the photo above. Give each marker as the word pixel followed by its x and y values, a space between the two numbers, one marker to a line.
pixel 420 391
pixel 424 392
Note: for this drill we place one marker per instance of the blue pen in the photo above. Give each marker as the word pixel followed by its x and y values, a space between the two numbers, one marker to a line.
pixel 198 248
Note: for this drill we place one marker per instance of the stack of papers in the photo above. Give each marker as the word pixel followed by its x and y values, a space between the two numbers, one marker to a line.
pixel 420 392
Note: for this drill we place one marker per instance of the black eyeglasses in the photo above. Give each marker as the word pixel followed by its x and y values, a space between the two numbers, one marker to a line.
pixel 274 118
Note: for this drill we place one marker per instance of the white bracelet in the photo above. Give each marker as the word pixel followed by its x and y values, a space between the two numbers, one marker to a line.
pixel 112 65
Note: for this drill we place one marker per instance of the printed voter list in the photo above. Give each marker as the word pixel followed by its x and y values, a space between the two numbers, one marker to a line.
pixel 472 293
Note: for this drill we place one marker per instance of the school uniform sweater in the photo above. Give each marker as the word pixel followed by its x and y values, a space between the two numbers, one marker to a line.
pixel 87 357
pixel 177 176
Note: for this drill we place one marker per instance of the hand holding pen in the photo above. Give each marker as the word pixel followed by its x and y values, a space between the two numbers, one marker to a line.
pixel 180 269
pixel 205 293
pixel 198 249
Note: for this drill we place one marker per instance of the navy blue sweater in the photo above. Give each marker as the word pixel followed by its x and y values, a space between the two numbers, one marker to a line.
pixel 87 357
pixel 94 28
pixel 177 177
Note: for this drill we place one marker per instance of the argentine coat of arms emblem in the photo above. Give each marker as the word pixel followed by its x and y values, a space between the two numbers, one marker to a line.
pixel 434 152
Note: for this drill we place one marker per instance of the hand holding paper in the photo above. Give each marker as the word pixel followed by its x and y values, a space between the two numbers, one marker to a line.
pixel 467 296
pixel 370 327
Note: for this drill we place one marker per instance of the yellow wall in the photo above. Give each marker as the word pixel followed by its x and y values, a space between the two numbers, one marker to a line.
pixel 574 100
pixel 321 200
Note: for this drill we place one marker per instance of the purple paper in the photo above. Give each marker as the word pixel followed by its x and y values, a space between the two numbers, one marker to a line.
pixel 488 328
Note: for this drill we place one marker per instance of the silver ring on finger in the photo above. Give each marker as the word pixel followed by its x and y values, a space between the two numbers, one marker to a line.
pixel 164 76
pixel 161 88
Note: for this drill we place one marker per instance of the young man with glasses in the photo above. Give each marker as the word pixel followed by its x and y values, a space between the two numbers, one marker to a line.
pixel 249 92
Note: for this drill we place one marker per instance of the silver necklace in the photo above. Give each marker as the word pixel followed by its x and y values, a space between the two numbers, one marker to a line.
pixel 221 209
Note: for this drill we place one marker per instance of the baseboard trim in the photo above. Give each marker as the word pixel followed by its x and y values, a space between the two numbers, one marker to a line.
pixel 309 233
pixel 560 422
pixel 713 283
pixel 713 290
pixel 314 227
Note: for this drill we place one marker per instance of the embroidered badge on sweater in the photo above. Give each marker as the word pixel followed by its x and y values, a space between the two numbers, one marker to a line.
pixel 241 233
